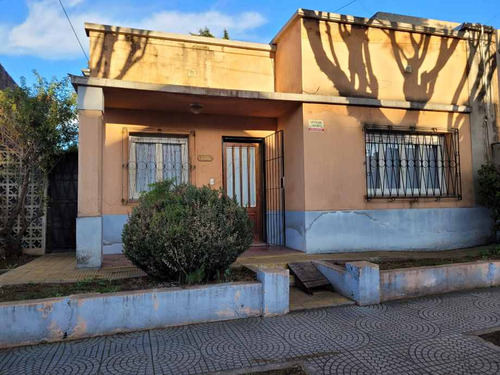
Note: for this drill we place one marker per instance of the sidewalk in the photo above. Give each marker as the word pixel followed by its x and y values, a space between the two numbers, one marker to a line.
pixel 420 336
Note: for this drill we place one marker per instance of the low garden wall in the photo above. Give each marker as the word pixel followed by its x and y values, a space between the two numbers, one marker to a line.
pixel 422 281
pixel 87 315
pixel 364 283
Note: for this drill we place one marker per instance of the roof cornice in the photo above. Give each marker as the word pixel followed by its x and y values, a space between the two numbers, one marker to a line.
pixel 264 95
pixel 177 37
pixel 369 22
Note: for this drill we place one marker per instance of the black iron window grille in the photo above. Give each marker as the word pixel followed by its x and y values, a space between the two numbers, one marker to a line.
pixel 155 159
pixel 412 164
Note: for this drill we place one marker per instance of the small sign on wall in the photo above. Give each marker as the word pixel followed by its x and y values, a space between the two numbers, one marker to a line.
pixel 316 126
pixel 205 158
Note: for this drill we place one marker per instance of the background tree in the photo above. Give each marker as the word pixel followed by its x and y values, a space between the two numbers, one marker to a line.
pixel 489 193
pixel 205 31
pixel 37 124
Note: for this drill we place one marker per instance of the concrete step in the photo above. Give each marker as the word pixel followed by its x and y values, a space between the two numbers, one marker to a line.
pixel 300 300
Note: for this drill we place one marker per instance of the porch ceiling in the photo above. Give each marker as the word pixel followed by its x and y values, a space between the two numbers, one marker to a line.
pixel 177 102
pixel 174 98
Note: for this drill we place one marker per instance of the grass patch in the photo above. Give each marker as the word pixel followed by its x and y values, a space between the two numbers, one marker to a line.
pixel 9 264
pixel 490 253
pixel 38 291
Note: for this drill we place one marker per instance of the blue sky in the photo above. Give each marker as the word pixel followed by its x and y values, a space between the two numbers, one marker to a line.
pixel 34 34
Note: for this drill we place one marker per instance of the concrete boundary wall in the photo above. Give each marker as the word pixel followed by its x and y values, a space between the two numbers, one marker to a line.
pixel 358 281
pixel 364 283
pixel 87 315
pixel 422 281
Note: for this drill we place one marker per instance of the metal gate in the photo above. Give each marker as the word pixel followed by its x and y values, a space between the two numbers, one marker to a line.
pixel 62 205
pixel 274 164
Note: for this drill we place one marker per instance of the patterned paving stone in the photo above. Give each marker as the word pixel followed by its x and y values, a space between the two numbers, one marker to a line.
pixel 178 358
pixel 419 336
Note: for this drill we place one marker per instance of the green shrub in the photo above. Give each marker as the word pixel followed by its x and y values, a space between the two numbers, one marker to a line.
pixel 185 233
pixel 489 192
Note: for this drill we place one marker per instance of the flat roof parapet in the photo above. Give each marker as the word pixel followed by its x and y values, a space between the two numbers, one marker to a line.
pixel 177 37
pixel 393 17
pixel 402 25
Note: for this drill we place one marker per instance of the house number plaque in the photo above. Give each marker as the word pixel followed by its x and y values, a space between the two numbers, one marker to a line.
pixel 205 158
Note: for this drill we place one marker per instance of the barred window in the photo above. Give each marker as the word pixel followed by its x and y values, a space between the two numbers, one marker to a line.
pixel 154 159
pixel 410 164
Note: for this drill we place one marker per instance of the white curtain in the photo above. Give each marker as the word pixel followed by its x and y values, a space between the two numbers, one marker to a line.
pixel 145 166
pixel 172 162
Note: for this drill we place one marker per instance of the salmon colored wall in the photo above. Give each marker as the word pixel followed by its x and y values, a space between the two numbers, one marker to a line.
pixel 293 134
pixel 154 60
pixel 334 159
pixel 289 60
pixel 209 130
pixel 350 60
pixel 89 162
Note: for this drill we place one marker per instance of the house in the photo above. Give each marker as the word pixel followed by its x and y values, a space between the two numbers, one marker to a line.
pixel 342 134
pixel 5 79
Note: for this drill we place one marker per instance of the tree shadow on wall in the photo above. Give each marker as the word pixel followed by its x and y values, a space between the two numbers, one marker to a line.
pixel 109 44
pixel 360 80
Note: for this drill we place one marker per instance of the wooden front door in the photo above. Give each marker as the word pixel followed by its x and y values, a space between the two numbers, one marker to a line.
pixel 242 180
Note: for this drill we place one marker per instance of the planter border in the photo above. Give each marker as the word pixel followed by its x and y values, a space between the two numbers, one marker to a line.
pixel 364 283
pixel 94 314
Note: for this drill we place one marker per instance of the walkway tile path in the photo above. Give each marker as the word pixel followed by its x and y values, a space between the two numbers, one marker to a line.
pixel 61 268
pixel 419 336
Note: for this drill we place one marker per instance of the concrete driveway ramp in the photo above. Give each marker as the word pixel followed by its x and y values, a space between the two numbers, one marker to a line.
pixel 307 276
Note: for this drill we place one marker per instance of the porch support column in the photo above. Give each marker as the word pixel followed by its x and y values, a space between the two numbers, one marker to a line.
pixel 89 220
pixel 496 145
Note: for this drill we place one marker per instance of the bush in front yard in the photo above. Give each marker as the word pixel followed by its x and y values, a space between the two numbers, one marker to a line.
pixel 489 192
pixel 185 233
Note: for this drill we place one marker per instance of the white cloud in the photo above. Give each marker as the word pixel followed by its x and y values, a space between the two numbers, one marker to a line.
pixel 178 22
pixel 46 32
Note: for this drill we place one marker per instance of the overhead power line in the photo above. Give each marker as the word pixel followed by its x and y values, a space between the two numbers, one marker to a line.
pixel 74 32
pixel 343 6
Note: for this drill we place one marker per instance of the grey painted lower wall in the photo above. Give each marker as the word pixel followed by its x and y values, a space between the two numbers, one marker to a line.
pixel 89 242
pixel 96 236
pixel 398 229
pixel 343 231
pixel 364 283
pixel 112 227
pixel 423 281
pixel 358 281
pixel 87 315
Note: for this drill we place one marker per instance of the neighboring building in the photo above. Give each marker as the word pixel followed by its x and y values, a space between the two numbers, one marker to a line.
pixel 5 79
pixel 342 134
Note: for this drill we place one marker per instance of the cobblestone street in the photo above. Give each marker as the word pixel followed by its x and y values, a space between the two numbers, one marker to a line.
pixel 419 336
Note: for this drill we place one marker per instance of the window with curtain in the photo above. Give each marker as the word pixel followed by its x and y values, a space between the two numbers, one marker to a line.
pixel 155 159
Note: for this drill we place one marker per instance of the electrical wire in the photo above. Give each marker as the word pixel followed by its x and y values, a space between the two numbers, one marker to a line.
pixel 74 32
pixel 343 6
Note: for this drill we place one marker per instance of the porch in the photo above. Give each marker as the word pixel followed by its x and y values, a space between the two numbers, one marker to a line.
pixel 61 268
pixel 222 138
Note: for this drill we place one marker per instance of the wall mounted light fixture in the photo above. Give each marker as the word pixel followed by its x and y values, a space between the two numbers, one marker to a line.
pixel 196 108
